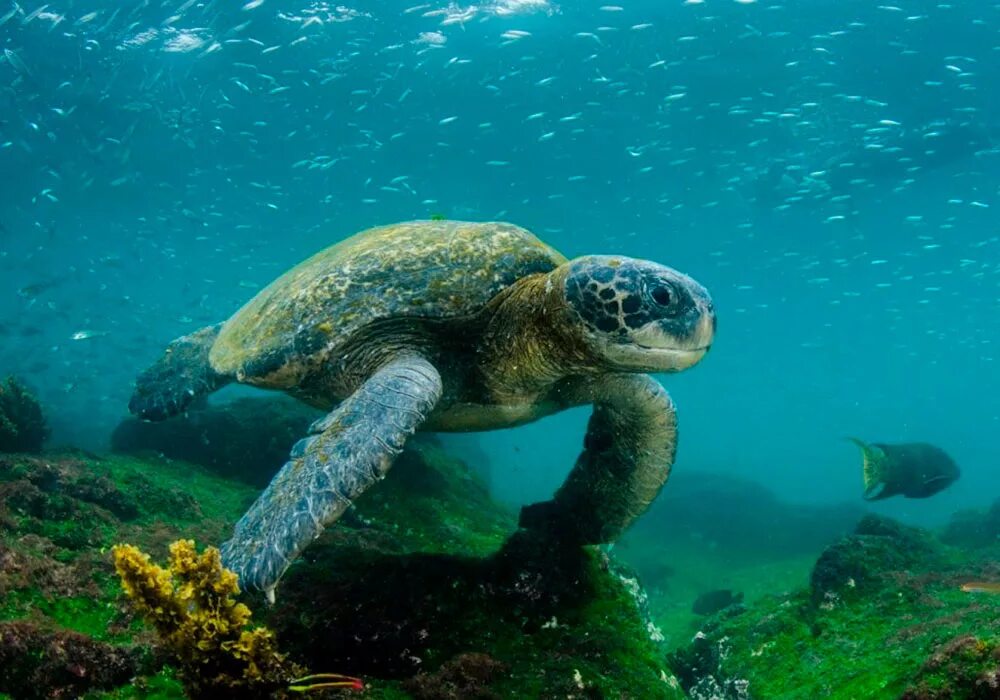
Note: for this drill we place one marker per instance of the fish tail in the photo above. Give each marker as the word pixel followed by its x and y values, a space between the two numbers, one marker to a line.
pixel 873 467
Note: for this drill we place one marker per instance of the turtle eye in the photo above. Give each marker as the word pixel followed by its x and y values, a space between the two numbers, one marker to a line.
pixel 662 295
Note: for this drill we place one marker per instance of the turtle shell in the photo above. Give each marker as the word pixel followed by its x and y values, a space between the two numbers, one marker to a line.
pixel 428 269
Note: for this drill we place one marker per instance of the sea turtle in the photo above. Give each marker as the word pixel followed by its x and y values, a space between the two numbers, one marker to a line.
pixel 447 326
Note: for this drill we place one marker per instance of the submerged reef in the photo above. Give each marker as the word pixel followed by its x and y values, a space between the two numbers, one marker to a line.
pixel 226 438
pixel 42 663
pixel 65 629
pixel 420 589
pixel 200 626
pixel 884 616
pixel 427 586
pixel 974 528
pixel 22 425
pixel 741 516
pixel 426 590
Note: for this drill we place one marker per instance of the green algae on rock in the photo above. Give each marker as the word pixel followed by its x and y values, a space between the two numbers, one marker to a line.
pixel 974 528
pixel 40 663
pixel 59 515
pixel 564 624
pixel 885 618
pixel 857 565
pixel 225 438
pixel 22 425
pixel 965 666
pixel 434 572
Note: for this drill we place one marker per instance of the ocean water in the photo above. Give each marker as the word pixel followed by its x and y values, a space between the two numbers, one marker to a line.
pixel 828 170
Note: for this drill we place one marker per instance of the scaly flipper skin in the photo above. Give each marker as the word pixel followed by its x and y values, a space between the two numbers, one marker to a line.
pixel 628 452
pixel 348 451
pixel 174 381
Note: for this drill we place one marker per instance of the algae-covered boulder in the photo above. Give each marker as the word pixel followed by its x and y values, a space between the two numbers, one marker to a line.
pixel 420 589
pixel 965 666
pixel 974 528
pixel 859 563
pixel 40 663
pixel 885 616
pixel 432 570
pixel 699 668
pixel 247 438
pixel 22 425
pixel 64 631
pixel 740 516
pixel 465 677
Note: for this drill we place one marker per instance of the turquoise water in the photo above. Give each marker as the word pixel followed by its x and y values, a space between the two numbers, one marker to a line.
pixel 828 170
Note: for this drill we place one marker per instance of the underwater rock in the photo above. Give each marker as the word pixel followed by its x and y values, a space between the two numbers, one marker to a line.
pixel 711 602
pixel 901 626
pixel 22 424
pixel 740 516
pixel 431 571
pixel 965 666
pixel 699 670
pixel 973 528
pixel 59 498
pixel 31 563
pixel 38 663
pixel 465 677
pixel 419 575
pixel 248 438
pixel 859 563
pixel 59 514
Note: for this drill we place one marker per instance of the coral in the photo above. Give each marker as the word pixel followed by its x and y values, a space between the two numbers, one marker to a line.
pixel 203 629
pixel 36 663
pixel 465 677
pixel 22 425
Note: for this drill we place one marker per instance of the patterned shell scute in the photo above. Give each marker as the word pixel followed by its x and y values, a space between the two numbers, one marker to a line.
pixel 430 269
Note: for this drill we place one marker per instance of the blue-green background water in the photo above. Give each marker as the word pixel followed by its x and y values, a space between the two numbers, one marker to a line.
pixel 159 162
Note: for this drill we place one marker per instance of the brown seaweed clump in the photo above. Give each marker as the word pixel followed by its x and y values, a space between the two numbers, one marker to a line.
pixel 204 630
pixel 46 663
pixel 465 677
pixel 22 425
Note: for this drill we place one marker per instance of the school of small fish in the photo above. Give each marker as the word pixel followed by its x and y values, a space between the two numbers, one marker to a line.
pixel 160 159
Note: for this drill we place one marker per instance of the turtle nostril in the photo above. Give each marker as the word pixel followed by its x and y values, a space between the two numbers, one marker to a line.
pixel 662 296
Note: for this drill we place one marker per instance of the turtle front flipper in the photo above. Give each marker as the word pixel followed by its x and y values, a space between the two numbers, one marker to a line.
pixel 347 452
pixel 628 452
pixel 182 375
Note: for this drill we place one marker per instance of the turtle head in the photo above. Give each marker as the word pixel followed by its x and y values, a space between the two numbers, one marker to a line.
pixel 638 315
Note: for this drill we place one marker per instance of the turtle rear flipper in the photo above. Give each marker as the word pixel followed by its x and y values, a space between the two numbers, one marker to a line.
pixel 182 375
pixel 347 452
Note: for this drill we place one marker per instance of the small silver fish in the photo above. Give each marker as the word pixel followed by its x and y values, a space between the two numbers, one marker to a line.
pixel 15 62
pixel 7 17
pixel 85 335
